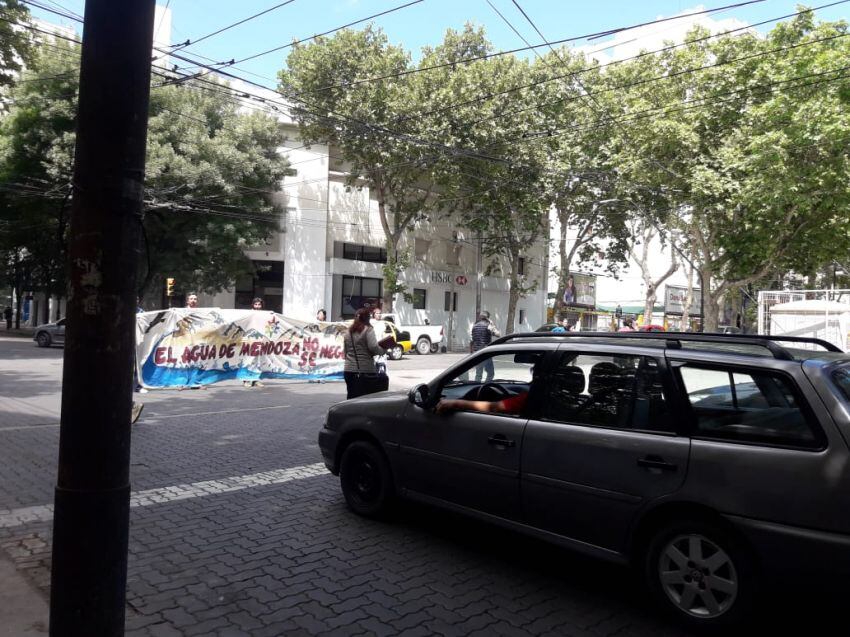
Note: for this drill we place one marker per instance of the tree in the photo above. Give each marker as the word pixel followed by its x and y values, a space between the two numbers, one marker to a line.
pixel 15 42
pixel 494 181
pixel 751 150
pixel 211 170
pixel 364 122
pixel 646 233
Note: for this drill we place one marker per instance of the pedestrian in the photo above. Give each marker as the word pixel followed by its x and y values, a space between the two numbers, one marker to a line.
pixel 628 325
pixel 7 314
pixel 321 316
pixel 137 386
pixel 482 334
pixel 563 326
pixel 381 360
pixel 360 345
pixel 192 300
pixel 256 304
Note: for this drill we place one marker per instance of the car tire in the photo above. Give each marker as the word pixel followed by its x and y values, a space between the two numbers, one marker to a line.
pixel 423 346
pixel 700 573
pixel 435 347
pixel 396 353
pixel 366 480
pixel 43 339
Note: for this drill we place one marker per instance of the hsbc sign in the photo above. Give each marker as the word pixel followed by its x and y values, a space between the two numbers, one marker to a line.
pixel 448 278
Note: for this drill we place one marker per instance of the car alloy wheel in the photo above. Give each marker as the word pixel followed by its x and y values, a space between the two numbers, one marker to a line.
pixel 698 576
pixel 396 353
pixel 43 339
pixel 366 479
pixel 702 572
pixel 423 346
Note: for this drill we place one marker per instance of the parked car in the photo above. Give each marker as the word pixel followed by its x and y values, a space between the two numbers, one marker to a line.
pixel 425 338
pixel 402 339
pixel 50 334
pixel 710 463
pixel 652 328
pixel 728 329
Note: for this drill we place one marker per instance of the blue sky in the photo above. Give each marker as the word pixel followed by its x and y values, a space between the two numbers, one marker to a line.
pixel 425 23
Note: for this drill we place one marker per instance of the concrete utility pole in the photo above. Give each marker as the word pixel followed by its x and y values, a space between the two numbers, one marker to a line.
pixel 92 501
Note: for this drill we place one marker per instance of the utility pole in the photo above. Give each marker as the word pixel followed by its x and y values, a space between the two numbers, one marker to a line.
pixel 92 498
pixel 478 277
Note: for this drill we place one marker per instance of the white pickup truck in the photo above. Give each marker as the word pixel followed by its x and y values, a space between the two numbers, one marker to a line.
pixel 426 339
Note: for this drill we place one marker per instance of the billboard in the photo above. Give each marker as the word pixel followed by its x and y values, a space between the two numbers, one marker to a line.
pixel 580 290
pixel 674 300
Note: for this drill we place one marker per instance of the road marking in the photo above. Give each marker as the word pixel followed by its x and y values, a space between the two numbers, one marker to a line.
pixel 44 513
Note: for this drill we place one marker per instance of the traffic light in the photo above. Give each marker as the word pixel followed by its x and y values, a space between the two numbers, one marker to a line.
pixel 169 287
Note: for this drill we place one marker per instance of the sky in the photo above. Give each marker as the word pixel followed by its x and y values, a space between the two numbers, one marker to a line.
pixel 425 23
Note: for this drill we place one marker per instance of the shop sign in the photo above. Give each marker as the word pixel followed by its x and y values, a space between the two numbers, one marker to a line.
pixel 461 279
pixel 674 300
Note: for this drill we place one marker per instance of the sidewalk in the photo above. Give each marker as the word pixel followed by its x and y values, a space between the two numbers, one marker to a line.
pixel 23 611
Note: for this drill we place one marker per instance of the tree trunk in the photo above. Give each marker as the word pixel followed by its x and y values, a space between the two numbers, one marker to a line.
pixel 689 301
pixel 45 311
pixel 513 296
pixel 710 307
pixel 649 304
pixel 388 295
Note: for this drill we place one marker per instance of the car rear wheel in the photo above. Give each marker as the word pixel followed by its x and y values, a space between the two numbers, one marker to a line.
pixel 43 339
pixel 366 479
pixel 396 353
pixel 435 347
pixel 423 346
pixel 701 573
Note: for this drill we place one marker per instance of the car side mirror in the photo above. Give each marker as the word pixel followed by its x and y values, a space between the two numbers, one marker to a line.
pixel 418 395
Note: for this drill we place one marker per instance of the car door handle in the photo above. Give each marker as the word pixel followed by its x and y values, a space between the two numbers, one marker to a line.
pixel 500 441
pixel 656 462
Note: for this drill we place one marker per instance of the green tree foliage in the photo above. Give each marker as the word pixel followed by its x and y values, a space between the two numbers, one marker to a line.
pixel 365 124
pixel 750 153
pixel 211 172
pixel 15 41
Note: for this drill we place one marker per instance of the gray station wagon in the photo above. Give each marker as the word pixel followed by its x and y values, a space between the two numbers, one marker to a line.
pixel 709 462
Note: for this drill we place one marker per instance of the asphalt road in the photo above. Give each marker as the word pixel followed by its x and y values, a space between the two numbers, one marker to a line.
pixel 237 528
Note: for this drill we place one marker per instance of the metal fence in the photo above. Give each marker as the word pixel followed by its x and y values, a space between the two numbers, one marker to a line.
pixel 827 320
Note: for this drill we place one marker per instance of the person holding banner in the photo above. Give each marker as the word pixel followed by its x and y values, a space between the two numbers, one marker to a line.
pixel 361 346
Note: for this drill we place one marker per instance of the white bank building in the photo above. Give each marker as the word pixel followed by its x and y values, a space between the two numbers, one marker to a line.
pixel 330 252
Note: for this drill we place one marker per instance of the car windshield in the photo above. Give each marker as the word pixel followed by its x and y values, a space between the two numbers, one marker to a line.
pixel 841 377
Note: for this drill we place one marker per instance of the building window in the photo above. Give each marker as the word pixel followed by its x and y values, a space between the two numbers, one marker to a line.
pixel 356 252
pixel 450 302
pixel 521 266
pixel 521 317
pixel 419 297
pixel 359 291
pixel 453 253
pixel 421 247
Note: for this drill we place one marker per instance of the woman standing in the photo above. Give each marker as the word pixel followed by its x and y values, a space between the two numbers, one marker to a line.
pixel 361 346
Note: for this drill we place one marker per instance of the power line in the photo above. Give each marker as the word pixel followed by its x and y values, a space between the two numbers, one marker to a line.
pixel 488 56
pixel 230 26
pixel 312 37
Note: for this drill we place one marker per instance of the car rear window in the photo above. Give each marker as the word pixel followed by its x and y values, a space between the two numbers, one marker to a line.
pixel 841 377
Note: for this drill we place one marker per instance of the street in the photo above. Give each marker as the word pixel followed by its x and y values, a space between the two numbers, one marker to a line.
pixel 237 528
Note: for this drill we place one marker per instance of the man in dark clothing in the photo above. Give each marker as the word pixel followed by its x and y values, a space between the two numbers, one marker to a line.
pixel 482 335
pixel 7 314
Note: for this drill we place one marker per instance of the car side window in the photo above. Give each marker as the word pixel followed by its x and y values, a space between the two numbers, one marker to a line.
pixel 748 406
pixel 607 390
pixel 494 377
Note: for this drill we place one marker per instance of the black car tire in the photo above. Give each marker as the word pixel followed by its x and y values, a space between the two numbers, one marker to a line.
pixel 396 353
pixel 43 339
pixel 435 347
pixel 725 561
pixel 423 345
pixel 366 480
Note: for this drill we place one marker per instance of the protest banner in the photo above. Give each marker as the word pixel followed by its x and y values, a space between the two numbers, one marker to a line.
pixel 199 346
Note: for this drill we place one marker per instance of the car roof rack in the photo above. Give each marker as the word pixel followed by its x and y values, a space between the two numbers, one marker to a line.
pixel 674 340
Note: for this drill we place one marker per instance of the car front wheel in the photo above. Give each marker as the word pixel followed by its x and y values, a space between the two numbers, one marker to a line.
pixel 43 339
pixel 423 346
pixel 700 573
pixel 366 479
